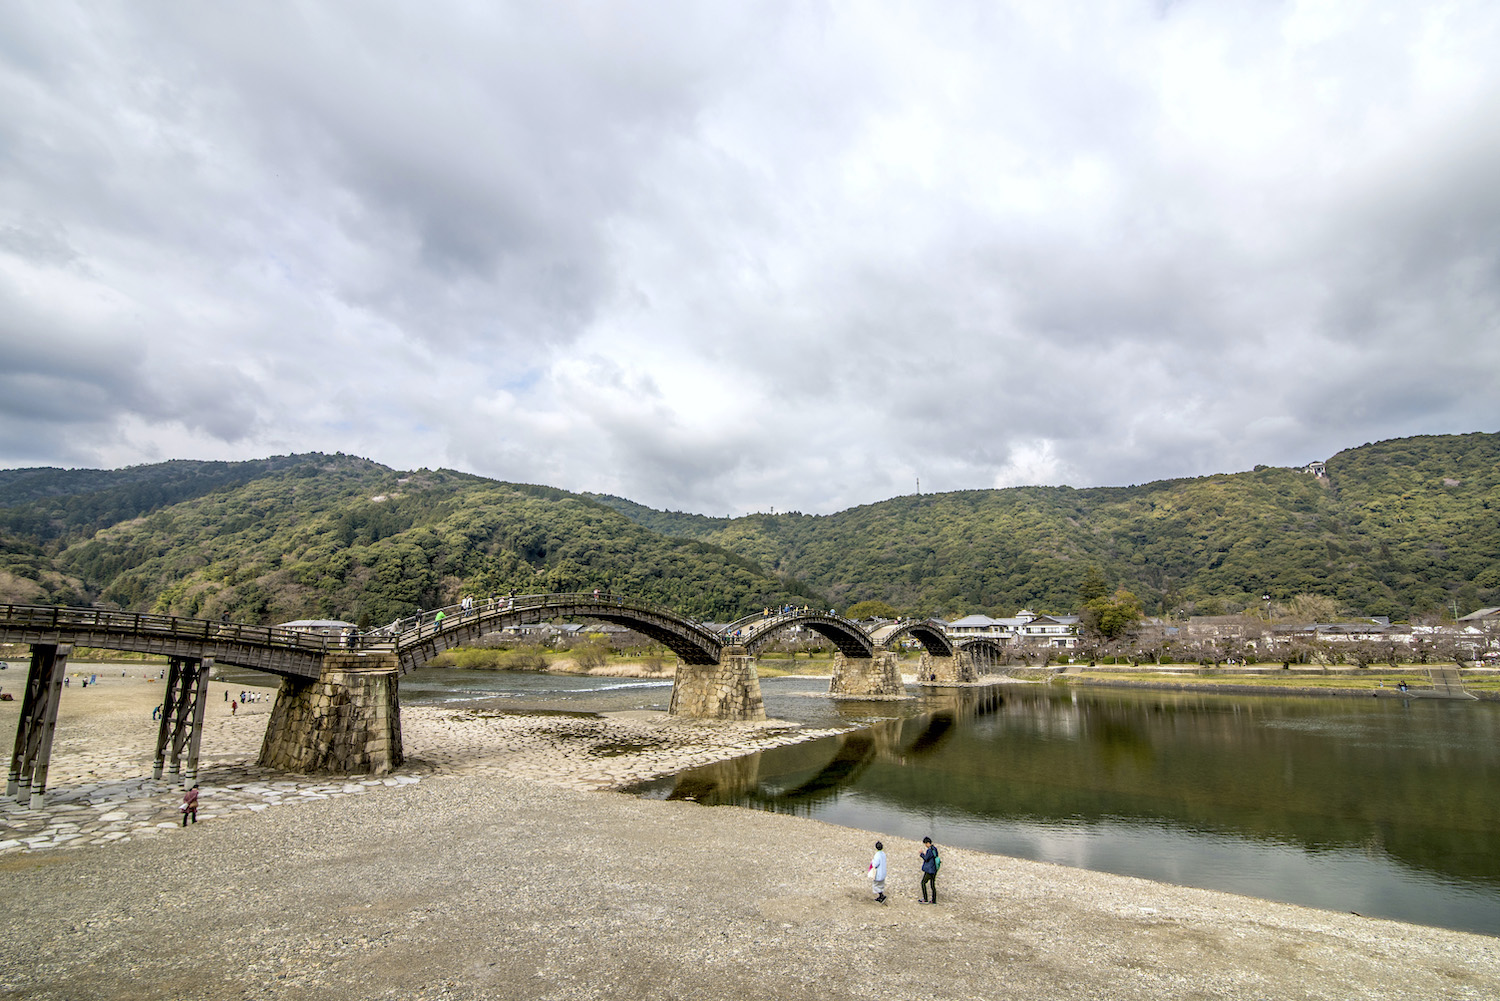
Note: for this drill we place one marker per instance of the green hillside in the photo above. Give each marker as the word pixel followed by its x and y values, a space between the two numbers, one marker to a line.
pixel 1399 528
pixel 326 536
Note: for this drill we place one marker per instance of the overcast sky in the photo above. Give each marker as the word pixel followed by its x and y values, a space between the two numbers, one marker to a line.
pixel 728 257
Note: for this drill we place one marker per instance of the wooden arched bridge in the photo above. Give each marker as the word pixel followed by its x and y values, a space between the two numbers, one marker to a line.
pixel 337 709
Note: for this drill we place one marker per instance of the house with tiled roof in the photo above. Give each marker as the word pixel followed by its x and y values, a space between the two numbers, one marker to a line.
pixel 1025 626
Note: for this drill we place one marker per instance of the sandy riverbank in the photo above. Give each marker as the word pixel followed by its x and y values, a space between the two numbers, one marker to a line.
pixel 487 868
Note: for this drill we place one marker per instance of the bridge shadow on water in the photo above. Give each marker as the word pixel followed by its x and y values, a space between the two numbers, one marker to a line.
pixel 798 777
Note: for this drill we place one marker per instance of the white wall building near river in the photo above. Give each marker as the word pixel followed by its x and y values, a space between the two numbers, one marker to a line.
pixel 1026 627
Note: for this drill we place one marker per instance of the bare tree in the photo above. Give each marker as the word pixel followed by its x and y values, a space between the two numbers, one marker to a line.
pixel 1323 653
pixel 1421 646
pixel 1285 648
pixel 1090 647
pixel 1362 652
pixel 1457 648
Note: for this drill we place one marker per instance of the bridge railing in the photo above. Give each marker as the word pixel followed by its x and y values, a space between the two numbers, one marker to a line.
pixel 753 625
pixel 781 613
pixel 49 618
pixel 435 620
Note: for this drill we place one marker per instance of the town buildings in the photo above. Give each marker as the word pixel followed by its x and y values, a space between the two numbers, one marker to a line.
pixel 1025 628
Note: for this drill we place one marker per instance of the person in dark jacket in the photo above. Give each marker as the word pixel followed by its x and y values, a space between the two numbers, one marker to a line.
pixel 930 863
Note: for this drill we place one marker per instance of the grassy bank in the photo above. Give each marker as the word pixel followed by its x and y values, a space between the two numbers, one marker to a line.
pixel 1477 680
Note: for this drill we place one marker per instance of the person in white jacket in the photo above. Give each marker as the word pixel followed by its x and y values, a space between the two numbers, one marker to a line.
pixel 877 873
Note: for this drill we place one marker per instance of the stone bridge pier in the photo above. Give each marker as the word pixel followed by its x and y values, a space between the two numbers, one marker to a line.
pixel 346 722
pixel 727 690
pixel 866 676
pixel 958 669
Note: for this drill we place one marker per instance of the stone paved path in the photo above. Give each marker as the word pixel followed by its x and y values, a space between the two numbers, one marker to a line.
pixel 99 813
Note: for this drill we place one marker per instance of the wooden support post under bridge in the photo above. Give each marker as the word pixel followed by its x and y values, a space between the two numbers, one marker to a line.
pixel 27 779
pixel 182 711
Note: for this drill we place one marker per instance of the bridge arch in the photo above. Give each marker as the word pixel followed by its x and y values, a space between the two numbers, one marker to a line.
pixel 928 632
pixel 418 641
pixel 756 632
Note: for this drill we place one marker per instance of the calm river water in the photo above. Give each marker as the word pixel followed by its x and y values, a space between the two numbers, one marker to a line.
pixel 1384 807
pixel 1380 806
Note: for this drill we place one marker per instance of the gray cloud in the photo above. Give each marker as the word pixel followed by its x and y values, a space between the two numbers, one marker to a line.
pixel 749 255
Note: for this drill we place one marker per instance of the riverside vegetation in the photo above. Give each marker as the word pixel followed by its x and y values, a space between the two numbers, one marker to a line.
pixel 1403 528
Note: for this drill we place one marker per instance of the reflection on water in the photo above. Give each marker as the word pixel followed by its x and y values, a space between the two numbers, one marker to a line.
pixel 1375 806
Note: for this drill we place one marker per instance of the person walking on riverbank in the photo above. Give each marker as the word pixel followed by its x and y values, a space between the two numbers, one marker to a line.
pixel 931 860
pixel 190 805
pixel 877 873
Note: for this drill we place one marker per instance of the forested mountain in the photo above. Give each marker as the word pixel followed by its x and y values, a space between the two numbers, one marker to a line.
pixel 1399 528
pixel 1396 528
pixel 317 535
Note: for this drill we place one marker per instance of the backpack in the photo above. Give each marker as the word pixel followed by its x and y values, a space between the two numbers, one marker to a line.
pixel 937 860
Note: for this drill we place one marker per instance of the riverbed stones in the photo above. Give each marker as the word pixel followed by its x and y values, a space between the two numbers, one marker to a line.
pixel 578 753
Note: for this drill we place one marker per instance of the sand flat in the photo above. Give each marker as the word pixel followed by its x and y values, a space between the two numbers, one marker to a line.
pixel 494 866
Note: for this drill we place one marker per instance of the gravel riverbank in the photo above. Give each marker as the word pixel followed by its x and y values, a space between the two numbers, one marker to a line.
pixel 493 866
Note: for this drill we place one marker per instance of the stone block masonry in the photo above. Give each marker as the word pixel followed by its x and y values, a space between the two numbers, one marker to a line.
pixel 959 669
pixel 866 676
pixel 727 690
pixel 347 722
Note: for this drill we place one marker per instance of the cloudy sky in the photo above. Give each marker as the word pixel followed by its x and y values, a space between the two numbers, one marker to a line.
pixel 727 257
